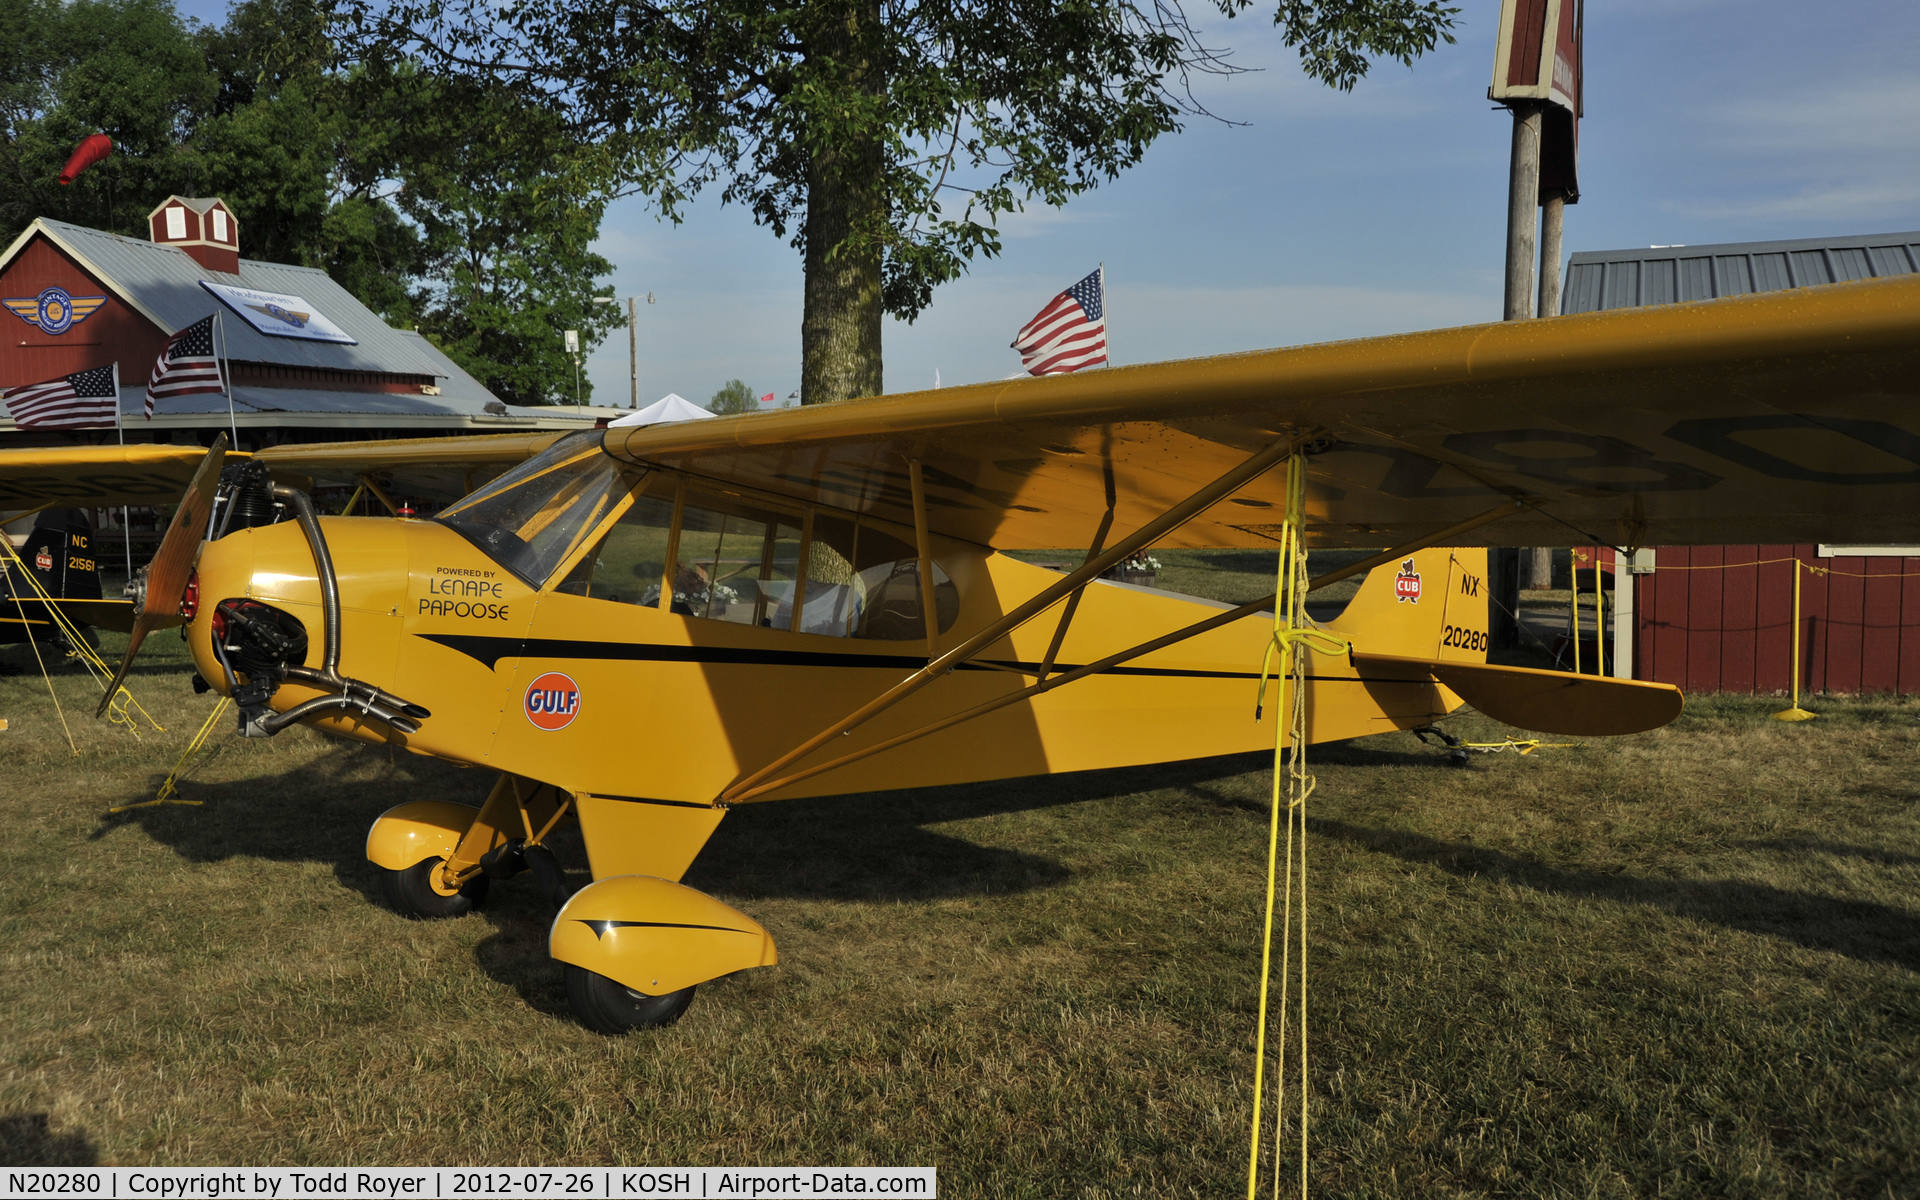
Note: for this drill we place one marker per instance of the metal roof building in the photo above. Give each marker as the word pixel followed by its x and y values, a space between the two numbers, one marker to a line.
pixel 118 299
pixel 1606 279
pixel 1722 618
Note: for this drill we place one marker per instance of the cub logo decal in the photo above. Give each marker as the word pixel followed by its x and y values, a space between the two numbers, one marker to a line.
pixel 43 560
pixel 552 701
pixel 1406 585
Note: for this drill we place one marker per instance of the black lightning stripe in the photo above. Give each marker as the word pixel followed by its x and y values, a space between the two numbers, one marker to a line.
pixel 488 651
pixel 601 928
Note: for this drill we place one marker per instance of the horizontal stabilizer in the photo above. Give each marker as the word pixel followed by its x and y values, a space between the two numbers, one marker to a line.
pixel 104 614
pixel 1551 701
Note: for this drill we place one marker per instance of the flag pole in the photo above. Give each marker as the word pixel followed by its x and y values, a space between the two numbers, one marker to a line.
pixel 1106 327
pixel 120 428
pixel 226 381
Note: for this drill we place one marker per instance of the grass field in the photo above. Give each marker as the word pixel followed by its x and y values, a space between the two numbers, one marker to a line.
pixel 1680 964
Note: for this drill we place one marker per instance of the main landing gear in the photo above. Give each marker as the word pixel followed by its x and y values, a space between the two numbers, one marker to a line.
pixel 634 947
pixel 420 892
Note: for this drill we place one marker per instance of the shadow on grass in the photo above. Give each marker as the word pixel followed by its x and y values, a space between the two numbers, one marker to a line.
pixel 874 846
pixel 1860 930
pixel 867 847
pixel 1885 858
pixel 27 1141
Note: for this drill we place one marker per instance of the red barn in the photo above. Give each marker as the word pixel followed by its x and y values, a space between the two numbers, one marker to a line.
pixel 1721 618
pixel 307 361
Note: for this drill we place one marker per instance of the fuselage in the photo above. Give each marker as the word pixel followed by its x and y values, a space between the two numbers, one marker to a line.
pixel 604 695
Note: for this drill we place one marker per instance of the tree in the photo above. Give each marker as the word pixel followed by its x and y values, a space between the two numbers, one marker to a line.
pixel 127 68
pixel 491 185
pixel 448 205
pixel 851 124
pixel 733 397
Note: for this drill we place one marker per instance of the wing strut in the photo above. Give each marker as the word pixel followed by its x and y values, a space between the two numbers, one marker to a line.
pixel 1073 601
pixel 752 787
pixel 923 543
pixel 1176 516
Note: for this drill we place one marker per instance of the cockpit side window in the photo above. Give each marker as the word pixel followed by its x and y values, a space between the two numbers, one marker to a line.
pixel 722 557
pixel 863 582
pixel 530 519
pixel 631 560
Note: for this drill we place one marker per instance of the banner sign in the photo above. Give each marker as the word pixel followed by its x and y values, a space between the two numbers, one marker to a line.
pixel 279 315
pixel 1538 57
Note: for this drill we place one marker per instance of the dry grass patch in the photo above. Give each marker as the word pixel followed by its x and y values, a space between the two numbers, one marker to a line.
pixel 1679 964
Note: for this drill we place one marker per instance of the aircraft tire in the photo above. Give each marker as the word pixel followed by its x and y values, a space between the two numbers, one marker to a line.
pixel 411 893
pixel 605 1006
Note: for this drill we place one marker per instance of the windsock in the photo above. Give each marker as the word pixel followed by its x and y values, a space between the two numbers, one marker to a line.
pixel 87 153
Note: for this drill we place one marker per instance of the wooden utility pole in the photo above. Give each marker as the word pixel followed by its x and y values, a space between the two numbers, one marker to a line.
pixel 1523 209
pixel 1523 222
pixel 1553 207
pixel 633 356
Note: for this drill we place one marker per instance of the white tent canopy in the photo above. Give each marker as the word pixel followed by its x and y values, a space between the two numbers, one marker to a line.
pixel 670 407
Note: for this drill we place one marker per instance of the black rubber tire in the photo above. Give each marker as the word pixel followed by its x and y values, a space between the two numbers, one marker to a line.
pixel 411 893
pixel 614 1008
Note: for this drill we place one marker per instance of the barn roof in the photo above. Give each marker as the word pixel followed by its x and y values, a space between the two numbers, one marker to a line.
pixel 1604 279
pixel 163 284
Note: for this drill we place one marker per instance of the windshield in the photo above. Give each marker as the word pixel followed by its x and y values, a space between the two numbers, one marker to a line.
pixel 530 518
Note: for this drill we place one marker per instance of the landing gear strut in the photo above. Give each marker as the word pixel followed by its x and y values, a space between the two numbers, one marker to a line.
pixel 419 894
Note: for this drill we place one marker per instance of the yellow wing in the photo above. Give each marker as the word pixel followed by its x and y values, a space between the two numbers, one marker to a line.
pixel 109 476
pixel 1788 416
pixel 444 468
pixel 96 476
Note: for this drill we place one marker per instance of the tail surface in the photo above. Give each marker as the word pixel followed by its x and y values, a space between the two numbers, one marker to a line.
pixel 1432 604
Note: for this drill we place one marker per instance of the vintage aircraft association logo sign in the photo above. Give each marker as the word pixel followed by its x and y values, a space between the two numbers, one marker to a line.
pixel 553 701
pixel 1406 585
pixel 54 310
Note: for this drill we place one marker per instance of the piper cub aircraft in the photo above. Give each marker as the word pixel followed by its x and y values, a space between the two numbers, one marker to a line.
pixel 639 629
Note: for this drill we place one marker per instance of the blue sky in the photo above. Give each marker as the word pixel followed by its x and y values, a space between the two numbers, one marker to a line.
pixel 1334 215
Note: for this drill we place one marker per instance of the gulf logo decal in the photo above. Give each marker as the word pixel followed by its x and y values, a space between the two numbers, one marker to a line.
pixel 1406 585
pixel 552 701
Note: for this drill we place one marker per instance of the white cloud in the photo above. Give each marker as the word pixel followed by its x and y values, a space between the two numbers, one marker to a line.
pixel 1876 117
pixel 1891 200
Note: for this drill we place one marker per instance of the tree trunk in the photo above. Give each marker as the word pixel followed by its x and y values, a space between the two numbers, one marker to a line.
pixel 840 328
pixel 1539 572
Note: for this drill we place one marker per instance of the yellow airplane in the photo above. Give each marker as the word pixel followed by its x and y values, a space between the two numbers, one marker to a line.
pixel 639 629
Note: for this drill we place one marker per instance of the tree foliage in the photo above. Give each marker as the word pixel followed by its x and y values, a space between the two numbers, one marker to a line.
pixel 450 205
pixel 885 138
pixel 734 396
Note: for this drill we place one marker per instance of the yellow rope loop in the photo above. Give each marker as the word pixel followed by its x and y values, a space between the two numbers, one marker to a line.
pixel 117 713
pixel 78 647
pixel 169 792
pixel 1293 639
pixel 1525 748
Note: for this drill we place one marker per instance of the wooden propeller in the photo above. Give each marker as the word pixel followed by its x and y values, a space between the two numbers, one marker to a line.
pixel 172 566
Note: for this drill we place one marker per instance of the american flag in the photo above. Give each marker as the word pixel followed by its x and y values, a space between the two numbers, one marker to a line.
pixel 186 366
pixel 1069 333
pixel 83 400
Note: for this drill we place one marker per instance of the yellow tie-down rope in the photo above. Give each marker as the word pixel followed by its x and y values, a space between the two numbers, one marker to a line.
pixel 117 712
pixel 1525 748
pixel 169 792
pixel 1293 638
